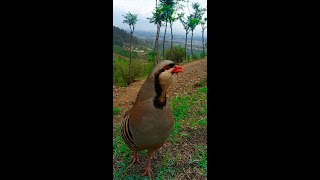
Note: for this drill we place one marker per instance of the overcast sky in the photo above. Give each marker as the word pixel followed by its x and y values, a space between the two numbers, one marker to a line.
pixel 144 9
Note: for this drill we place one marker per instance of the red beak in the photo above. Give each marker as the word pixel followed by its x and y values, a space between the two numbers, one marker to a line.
pixel 177 69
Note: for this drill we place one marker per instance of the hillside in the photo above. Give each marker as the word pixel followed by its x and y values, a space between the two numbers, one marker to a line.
pixel 121 37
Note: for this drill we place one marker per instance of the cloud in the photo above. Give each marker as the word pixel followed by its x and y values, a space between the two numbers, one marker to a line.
pixel 144 9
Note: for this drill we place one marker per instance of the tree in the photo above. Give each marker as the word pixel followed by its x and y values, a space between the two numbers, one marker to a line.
pixel 192 22
pixel 203 27
pixel 185 23
pixel 167 7
pixel 194 19
pixel 156 18
pixel 130 19
pixel 173 16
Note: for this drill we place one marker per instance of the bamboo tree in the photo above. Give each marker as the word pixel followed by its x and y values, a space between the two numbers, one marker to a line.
pixel 130 19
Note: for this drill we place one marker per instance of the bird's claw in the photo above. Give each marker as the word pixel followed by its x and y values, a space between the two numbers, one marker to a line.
pixel 147 172
pixel 134 160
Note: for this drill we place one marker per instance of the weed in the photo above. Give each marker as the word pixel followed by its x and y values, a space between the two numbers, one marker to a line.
pixel 203 90
pixel 202 122
pixel 116 111
pixel 200 158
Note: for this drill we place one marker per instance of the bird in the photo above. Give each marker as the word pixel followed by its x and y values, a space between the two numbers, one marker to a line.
pixel 149 122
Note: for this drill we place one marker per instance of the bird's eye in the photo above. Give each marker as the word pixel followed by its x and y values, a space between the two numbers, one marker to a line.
pixel 166 67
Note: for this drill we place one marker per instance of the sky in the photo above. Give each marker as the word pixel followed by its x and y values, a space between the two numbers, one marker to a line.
pixel 144 9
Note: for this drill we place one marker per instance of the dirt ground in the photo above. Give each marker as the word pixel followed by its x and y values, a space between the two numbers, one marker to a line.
pixel 185 82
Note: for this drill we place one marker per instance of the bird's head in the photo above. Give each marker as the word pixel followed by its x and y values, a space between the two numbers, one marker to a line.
pixel 164 73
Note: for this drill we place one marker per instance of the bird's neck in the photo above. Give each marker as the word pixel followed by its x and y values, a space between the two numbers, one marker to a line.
pixel 160 100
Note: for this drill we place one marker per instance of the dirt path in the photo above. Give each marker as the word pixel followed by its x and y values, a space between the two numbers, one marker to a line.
pixel 194 72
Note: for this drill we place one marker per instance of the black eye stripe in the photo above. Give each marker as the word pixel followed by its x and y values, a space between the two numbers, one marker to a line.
pixel 171 65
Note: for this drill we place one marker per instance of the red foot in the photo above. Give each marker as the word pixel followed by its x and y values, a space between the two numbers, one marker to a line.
pixel 148 168
pixel 147 171
pixel 134 159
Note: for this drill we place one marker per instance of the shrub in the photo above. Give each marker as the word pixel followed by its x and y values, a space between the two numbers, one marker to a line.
pixel 195 56
pixel 202 55
pixel 176 54
pixel 120 71
pixel 151 56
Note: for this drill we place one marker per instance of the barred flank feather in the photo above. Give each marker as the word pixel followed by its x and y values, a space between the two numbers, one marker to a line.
pixel 126 133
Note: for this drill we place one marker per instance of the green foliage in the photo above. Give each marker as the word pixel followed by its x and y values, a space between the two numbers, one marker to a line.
pixel 185 108
pixel 157 16
pixel 130 19
pixel 203 90
pixel 203 24
pixel 198 11
pixel 121 38
pixel 139 69
pixel 179 108
pixel 200 158
pixel 195 57
pixel 201 83
pixel 202 122
pixel 151 56
pixel 176 54
pixel 185 22
pixel 123 52
pixel 116 111
pixel 193 22
pixel 202 55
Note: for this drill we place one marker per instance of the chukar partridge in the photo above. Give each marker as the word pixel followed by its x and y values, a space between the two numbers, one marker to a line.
pixel 148 124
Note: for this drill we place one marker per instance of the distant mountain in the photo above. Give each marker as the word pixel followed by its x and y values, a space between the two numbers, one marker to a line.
pixel 122 37
pixel 146 39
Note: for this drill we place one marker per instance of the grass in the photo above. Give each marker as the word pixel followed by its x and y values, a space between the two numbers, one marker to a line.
pixel 139 70
pixel 185 154
pixel 119 50
pixel 116 111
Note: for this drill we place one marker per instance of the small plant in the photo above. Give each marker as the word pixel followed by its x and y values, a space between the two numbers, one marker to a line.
pixel 200 158
pixel 176 54
pixel 203 90
pixel 195 57
pixel 202 122
pixel 116 111
pixel 202 55
pixel 151 56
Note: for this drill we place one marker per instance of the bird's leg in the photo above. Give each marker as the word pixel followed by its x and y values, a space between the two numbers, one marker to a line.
pixel 148 168
pixel 134 159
